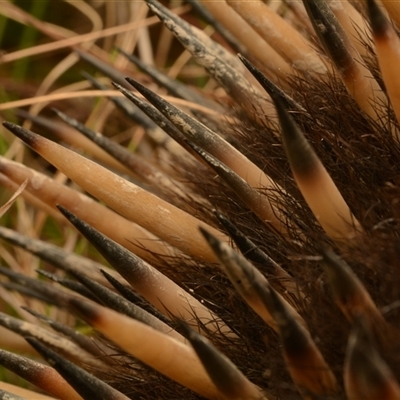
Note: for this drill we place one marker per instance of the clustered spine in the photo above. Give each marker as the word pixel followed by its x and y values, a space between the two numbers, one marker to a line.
pixel 224 228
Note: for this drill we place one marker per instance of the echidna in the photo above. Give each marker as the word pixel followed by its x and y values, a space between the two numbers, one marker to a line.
pixel 254 236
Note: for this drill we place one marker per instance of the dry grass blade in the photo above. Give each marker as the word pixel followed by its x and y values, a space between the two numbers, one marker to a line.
pixel 5 207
